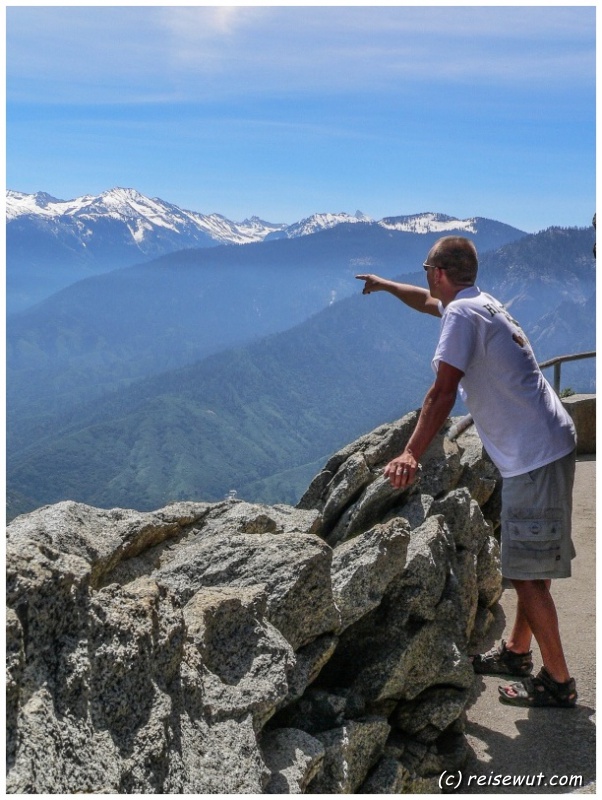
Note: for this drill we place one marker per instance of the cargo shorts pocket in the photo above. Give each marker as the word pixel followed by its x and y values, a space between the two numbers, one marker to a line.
pixel 534 545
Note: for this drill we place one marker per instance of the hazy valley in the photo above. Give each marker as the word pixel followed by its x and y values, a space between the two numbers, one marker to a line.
pixel 244 366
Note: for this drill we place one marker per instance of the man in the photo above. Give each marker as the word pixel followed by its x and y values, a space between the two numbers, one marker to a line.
pixel 483 353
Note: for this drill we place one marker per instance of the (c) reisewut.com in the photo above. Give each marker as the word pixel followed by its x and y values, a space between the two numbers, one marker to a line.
pixel 453 780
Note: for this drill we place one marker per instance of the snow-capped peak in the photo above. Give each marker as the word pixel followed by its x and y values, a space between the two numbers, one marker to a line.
pixel 428 222
pixel 42 204
pixel 142 215
pixel 320 222
pixel 19 204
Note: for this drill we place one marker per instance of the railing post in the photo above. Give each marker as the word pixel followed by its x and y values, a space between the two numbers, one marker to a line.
pixel 557 377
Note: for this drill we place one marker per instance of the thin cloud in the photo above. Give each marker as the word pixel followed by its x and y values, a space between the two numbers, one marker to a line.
pixel 154 54
pixel 217 22
pixel 204 38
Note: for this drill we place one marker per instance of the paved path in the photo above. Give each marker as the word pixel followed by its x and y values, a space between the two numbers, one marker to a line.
pixel 509 741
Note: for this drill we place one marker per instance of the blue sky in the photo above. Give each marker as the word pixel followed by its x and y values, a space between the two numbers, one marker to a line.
pixel 282 111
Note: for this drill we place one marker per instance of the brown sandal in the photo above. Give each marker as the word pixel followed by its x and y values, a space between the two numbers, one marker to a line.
pixel 501 661
pixel 542 690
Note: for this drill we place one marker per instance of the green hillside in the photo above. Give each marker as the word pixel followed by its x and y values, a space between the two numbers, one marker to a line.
pixel 240 416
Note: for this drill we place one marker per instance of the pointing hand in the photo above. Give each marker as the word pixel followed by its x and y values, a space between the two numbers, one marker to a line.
pixel 373 283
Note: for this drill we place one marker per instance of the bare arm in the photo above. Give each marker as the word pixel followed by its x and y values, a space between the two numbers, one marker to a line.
pixel 413 296
pixel 436 408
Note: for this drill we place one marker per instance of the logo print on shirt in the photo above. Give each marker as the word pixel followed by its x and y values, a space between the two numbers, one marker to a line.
pixel 493 310
pixel 519 337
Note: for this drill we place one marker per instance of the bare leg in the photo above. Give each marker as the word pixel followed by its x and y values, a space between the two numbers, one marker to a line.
pixel 520 638
pixel 537 607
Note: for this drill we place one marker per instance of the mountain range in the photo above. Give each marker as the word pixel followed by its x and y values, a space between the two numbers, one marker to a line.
pixel 102 333
pixel 51 243
pixel 224 367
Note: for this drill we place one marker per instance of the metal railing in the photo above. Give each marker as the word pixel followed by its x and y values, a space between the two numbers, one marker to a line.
pixel 558 361
pixel 465 422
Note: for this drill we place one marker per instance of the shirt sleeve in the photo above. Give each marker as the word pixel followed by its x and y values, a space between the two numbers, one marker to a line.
pixel 457 340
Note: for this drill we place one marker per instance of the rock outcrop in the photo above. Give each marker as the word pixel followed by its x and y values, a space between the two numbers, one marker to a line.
pixel 238 648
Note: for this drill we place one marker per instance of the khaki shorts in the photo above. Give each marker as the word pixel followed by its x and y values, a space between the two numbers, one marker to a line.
pixel 536 522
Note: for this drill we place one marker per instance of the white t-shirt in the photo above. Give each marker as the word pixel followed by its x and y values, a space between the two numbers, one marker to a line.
pixel 520 419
